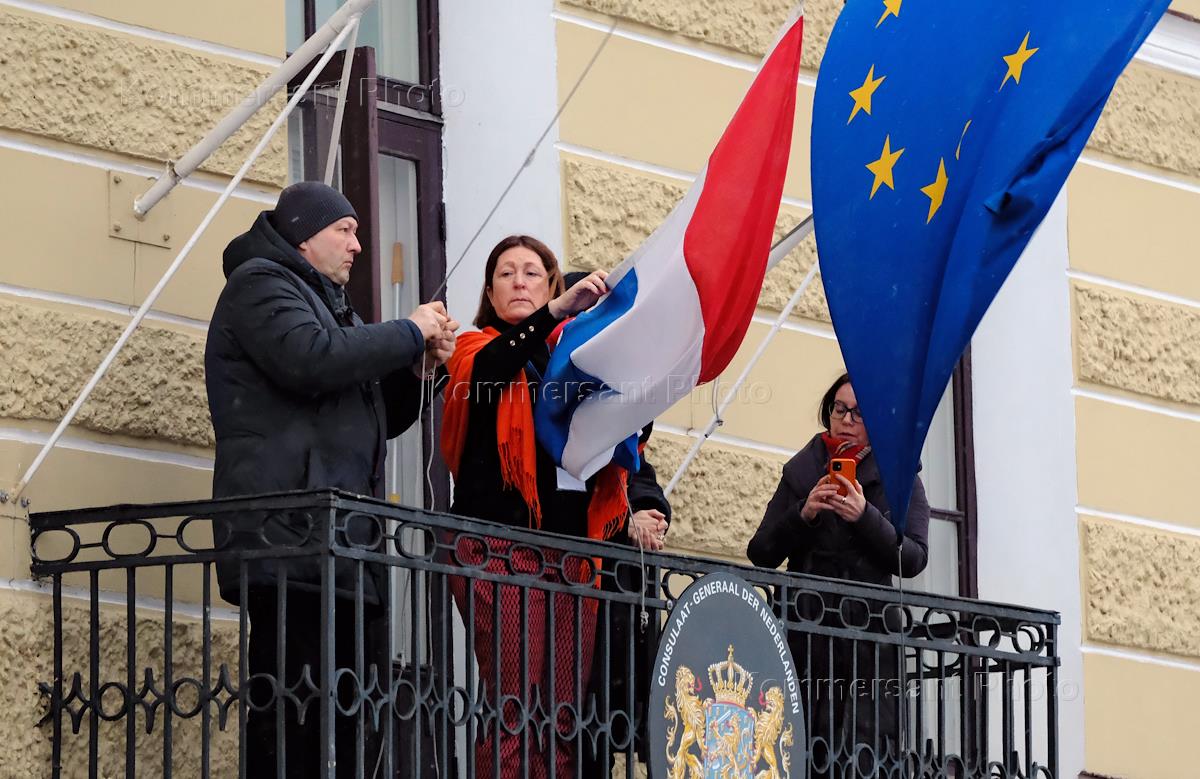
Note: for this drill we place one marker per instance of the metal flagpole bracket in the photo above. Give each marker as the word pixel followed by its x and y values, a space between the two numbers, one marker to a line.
pixel 157 229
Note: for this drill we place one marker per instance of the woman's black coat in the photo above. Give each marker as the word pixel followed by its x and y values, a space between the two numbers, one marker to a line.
pixel 864 551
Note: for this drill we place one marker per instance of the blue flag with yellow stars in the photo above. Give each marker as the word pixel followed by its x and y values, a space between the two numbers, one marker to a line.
pixel 942 133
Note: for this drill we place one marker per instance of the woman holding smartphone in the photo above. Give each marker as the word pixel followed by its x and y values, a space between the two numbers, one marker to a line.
pixel 826 524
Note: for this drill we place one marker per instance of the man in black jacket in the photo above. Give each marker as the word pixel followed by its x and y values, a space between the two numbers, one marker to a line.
pixel 303 395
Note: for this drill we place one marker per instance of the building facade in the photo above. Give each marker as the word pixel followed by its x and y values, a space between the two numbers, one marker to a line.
pixel 1051 460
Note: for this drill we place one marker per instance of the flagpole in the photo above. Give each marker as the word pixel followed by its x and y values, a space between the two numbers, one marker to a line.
pixel 778 252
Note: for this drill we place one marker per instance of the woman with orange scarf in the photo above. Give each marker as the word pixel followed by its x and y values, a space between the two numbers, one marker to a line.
pixel 502 474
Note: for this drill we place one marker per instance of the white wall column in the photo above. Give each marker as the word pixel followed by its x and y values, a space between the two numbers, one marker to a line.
pixel 1025 457
pixel 499 90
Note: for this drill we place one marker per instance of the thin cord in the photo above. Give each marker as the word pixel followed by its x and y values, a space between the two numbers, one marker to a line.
pixel 903 663
pixel 528 159
pixel 643 617
pixel 427 380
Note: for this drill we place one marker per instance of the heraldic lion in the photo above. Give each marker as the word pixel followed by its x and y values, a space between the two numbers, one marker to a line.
pixel 683 763
pixel 768 727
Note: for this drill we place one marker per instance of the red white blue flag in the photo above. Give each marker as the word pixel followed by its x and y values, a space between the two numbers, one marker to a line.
pixel 679 306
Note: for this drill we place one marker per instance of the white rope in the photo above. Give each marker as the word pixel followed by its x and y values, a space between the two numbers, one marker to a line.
pixel 166 278
pixel 335 134
pixel 781 249
pixel 527 160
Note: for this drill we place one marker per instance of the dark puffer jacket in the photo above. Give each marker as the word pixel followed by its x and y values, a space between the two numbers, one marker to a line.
pixel 302 394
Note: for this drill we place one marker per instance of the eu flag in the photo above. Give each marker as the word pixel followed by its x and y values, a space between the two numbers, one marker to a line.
pixel 942 133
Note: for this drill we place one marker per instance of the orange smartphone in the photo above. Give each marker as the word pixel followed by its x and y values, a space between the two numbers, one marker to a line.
pixel 842 466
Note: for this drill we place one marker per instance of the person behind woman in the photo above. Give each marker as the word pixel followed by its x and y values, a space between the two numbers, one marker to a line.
pixel 851 705
pixel 502 474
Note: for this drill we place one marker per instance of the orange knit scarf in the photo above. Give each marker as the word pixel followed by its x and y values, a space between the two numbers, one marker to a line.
pixel 517 442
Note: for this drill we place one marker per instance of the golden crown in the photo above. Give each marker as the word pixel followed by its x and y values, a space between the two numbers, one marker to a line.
pixel 730 682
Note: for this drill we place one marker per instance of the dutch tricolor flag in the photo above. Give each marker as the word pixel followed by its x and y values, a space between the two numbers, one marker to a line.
pixel 679 306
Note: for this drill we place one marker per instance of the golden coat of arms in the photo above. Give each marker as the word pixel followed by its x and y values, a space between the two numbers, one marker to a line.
pixel 720 737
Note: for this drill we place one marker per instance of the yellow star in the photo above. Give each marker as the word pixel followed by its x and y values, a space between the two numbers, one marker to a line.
pixel 882 167
pixel 862 95
pixel 891 8
pixel 1016 61
pixel 958 151
pixel 936 192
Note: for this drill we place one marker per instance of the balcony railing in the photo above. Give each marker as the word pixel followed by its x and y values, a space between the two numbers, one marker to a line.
pixel 152 669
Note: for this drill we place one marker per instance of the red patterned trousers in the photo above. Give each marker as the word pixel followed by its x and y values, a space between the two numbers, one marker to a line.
pixel 516 647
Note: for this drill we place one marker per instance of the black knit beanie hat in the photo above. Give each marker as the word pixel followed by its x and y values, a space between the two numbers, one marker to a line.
pixel 306 208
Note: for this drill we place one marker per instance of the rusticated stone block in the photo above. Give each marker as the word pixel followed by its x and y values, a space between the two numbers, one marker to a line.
pixel 719 502
pixel 155 389
pixel 26 658
pixel 91 87
pixel 611 210
pixel 1142 590
pixel 1138 345
pixel 1151 118
pixel 748 26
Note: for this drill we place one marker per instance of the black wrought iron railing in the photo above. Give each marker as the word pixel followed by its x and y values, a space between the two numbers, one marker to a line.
pixel 376 640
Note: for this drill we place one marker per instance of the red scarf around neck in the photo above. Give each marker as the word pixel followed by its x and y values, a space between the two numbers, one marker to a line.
pixel 837 447
pixel 517 442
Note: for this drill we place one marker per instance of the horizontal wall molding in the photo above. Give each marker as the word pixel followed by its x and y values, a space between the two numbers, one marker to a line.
pixel 183 41
pixel 1140 405
pixel 1144 175
pixel 795 327
pixel 725 440
pixel 747 63
pixel 108 598
pixel 1139 657
pixel 101 305
pixel 1143 522
pixel 38 438
pixel 9 141
pixel 1133 289
pixel 656 170
pixel 1174 44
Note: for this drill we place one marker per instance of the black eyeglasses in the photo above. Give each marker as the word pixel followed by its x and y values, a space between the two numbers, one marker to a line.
pixel 840 410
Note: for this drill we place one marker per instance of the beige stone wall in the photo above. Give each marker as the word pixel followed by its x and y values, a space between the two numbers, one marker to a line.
pixel 1159 254
pixel 745 26
pixel 1142 589
pixel 1141 718
pixel 1136 311
pixel 82 98
pixel 1137 344
pixel 610 115
pixel 91 87
pixel 154 390
pixel 1145 119
pixel 26 657
pixel 1112 439
pixel 713 514
pixel 254 27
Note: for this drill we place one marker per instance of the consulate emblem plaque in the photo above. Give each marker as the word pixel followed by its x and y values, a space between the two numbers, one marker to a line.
pixel 724 693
